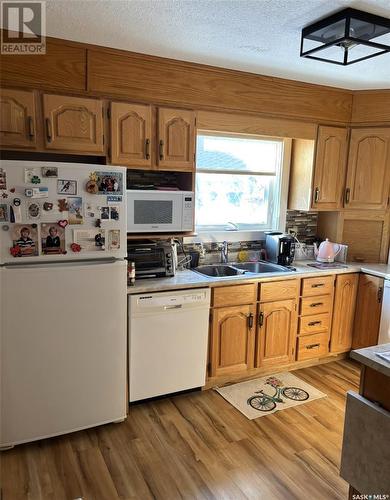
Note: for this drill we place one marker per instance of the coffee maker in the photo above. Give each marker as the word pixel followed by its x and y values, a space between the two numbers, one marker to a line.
pixel 280 248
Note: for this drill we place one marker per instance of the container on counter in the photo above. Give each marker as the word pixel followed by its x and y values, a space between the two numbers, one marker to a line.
pixel 131 274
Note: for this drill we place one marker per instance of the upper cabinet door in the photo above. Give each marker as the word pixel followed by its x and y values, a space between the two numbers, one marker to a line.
pixel 368 176
pixel 176 139
pixel 131 134
pixel 330 167
pixel 17 119
pixel 73 123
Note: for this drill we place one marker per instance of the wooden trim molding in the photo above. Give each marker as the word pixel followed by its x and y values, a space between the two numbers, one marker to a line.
pixel 258 125
pixel 371 107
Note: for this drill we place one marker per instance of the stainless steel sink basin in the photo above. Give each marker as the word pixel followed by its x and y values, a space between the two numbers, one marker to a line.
pixel 260 267
pixel 239 268
pixel 219 270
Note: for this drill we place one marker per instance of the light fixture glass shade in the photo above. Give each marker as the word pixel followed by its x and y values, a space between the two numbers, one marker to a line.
pixel 346 37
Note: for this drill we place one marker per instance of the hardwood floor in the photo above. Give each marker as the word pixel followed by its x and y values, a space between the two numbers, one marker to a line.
pixel 195 446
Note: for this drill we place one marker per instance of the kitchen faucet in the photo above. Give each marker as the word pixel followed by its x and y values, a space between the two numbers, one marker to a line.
pixel 224 252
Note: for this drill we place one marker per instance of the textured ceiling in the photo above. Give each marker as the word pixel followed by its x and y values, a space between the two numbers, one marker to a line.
pixel 260 36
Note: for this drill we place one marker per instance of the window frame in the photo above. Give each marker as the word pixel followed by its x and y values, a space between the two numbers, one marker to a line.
pixel 215 233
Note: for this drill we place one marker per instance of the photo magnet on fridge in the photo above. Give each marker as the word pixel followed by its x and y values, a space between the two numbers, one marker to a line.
pixel 32 176
pixel 114 213
pixel 114 239
pixel 66 187
pixel 3 213
pixel 3 180
pixel 75 210
pixel 33 210
pixel 52 239
pixel 51 172
pixel 25 240
pixel 104 213
pixel 110 182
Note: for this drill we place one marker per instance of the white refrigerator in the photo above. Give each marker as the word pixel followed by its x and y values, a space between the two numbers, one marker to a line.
pixel 62 298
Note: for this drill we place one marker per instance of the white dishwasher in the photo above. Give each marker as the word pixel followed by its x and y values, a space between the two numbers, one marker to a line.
pixel 168 335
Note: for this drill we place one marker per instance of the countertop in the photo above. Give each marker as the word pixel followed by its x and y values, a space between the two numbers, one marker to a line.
pixel 191 279
pixel 381 270
pixel 368 357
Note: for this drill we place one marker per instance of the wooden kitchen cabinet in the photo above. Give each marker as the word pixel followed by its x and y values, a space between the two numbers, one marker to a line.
pixel 176 139
pixel 73 124
pixel 277 325
pixel 368 311
pixel 368 173
pixel 18 119
pixel 366 232
pixel 344 312
pixel 232 339
pixel 329 170
pixel 131 135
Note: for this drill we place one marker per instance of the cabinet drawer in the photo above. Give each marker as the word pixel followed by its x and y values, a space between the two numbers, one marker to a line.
pixel 312 346
pixel 278 290
pixel 317 286
pixel 316 305
pixel 234 295
pixel 314 324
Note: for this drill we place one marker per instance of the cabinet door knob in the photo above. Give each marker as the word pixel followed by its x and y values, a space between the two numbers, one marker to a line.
pixel 250 320
pixel 261 319
pixel 48 130
pixel 316 195
pixel 347 194
pixel 161 148
pixel 147 149
pixel 380 294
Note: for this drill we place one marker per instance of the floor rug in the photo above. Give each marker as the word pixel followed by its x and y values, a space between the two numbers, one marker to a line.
pixel 266 395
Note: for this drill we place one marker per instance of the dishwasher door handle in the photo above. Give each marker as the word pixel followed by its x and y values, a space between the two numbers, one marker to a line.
pixel 176 306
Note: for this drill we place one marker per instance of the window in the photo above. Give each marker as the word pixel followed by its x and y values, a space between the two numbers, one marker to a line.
pixel 238 182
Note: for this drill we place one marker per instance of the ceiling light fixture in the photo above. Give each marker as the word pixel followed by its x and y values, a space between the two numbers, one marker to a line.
pixel 346 37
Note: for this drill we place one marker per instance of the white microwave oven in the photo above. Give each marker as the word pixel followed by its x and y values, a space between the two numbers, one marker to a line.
pixel 160 211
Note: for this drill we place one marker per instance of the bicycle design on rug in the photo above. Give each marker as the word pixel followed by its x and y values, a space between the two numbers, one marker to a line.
pixel 266 402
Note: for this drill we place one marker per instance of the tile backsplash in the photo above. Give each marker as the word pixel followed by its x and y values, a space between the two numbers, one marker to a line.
pixel 305 223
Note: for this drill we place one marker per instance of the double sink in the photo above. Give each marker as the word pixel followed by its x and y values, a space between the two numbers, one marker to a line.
pixel 239 268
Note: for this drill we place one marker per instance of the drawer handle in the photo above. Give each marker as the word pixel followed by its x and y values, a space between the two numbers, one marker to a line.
pixel 312 346
pixel 318 285
pixel 313 323
pixel 316 304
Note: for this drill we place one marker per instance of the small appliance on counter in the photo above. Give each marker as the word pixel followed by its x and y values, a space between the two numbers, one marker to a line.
pixel 326 251
pixel 154 259
pixel 280 248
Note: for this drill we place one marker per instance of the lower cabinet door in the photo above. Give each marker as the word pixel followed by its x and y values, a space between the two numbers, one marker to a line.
pixel 276 334
pixel 368 311
pixel 232 339
pixel 343 312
